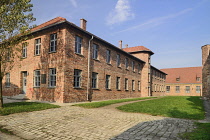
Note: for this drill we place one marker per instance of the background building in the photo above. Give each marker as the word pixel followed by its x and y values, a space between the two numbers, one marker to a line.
pixel 183 81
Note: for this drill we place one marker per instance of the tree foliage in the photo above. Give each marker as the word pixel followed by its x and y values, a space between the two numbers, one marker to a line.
pixel 15 19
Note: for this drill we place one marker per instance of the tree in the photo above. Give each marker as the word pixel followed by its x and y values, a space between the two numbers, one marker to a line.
pixel 15 17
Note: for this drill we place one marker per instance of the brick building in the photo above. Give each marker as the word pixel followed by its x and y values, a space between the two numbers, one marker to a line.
pixel 206 70
pixel 65 63
pixel 183 81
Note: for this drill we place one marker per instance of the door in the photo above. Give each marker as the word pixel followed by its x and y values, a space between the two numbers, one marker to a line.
pixel 24 77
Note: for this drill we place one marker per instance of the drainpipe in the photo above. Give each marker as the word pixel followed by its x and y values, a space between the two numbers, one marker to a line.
pixel 88 81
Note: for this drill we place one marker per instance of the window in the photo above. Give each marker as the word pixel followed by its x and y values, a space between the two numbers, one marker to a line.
pixel 37 78
pixel 167 89
pixel 78 44
pixel 37 46
pixel 126 84
pixel 95 51
pixel 139 68
pixel 118 83
pixel 177 79
pixel 198 79
pixel 108 56
pixel 8 54
pixel 7 84
pixel 133 85
pixel 187 90
pixel 198 89
pixel 77 78
pixel 52 77
pixel 126 63
pixel 177 89
pixel 53 42
pixel 118 60
pixel 108 81
pixel 94 80
pixel 24 50
pixel 133 65
pixel 139 85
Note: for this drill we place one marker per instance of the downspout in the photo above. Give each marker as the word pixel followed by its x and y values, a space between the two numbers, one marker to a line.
pixel 88 81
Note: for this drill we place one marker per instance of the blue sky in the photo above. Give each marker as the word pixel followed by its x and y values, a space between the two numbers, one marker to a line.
pixel 174 30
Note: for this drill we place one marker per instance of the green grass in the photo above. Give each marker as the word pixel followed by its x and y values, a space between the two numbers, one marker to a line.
pixel 105 103
pixel 188 107
pixel 4 130
pixel 202 132
pixel 11 108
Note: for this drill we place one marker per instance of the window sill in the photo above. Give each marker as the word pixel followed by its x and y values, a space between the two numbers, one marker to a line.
pixel 96 60
pixel 108 89
pixel 79 54
pixel 36 55
pixel 127 69
pixel 7 86
pixel 36 87
pixel 119 67
pixel 51 87
pixel 52 52
pixel 95 89
pixel 126 90
pixel 118 89
pixel 109 64
pixel 77 88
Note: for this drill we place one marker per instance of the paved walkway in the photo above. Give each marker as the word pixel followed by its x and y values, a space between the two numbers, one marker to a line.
pixel 75 123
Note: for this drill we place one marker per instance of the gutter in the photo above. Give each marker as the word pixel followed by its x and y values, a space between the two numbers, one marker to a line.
pixel 88 81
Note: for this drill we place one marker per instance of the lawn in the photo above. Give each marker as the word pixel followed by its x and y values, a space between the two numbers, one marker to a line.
pixel 105 103
pixel 11 108
pixel 188 107
pixel 202 132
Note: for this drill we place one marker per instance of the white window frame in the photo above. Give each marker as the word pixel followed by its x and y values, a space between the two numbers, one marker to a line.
pixel 168 88
pixel 24 50
pixel 78 45
pixel 133 85
pixel 37 78
pixel 118 60
pixel 108 56
pixel 108 81
pixel 126 83
pixel 52 77
pixel 139 85
pixel 177 89
pixel 37 46
pixel 118 83
pixel 77 78
pixel 198 89
pixel 139 68
pixel 53 42
pixel 126 63
pixel 7 84
pixel 187 89
pixel 133 66
pixel 95 51
pixel 95 80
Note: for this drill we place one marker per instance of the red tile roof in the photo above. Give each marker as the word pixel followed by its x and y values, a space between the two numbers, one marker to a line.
pixel 186 75
pixel 50 22
pixel 137 49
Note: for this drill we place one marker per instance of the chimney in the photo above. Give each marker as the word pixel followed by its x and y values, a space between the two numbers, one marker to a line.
pixel 126 45
pixel 83 23
pixel 120 44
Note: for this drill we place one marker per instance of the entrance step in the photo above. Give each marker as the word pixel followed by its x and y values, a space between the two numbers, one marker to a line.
pixel 20 97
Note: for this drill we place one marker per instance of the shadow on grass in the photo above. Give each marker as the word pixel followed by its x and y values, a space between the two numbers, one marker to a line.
pixel 197 112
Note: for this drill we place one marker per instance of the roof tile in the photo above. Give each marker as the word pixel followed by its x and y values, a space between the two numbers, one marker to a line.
pixel 186 75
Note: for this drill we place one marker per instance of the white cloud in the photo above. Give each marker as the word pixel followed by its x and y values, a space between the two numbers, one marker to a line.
pixel 74 3
pixel 155 21
pixel 121 13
